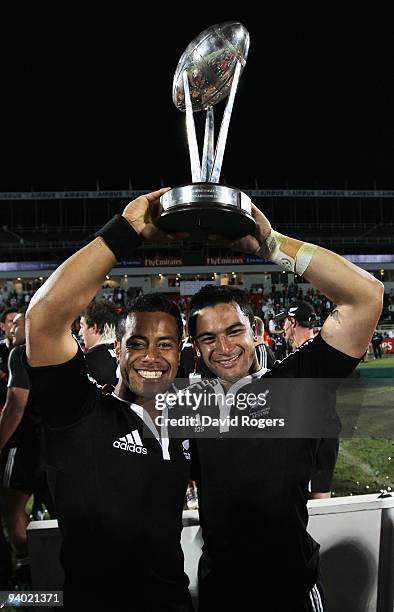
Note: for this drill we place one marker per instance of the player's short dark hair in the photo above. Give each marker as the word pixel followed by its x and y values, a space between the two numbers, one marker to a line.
pixel 211 295
pixel 101 313
pixel 307 324
pixel 6 312
pixel 151 302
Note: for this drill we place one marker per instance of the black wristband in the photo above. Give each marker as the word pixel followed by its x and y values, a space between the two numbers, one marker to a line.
pixel 120 237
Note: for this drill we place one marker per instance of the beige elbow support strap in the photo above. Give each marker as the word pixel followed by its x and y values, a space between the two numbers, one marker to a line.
pixel 288 253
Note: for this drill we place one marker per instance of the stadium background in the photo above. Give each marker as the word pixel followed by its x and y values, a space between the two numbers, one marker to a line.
pixel 87 122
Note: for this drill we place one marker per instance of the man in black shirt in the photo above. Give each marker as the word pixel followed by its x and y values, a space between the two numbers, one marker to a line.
pixel 6 321
pixel 377 345
pixel 253 492
pixel 265 356
pixel 97 328
pixel 125 555
pixel 21 452
pixel 191 364
pixel 280 346
pixel 297 322
pixel 7 317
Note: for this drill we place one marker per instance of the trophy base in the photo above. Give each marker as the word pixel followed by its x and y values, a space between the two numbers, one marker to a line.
pixel 201 209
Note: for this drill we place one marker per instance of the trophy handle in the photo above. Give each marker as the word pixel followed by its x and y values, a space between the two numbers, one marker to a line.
pixel 221 143
pixel 209 145
pixel 209 170
pixel 191 133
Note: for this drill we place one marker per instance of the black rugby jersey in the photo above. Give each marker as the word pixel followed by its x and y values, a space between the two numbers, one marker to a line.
pixel 324 468
pixel 28 430
pixel 101 363
pixel 265 356
pixel 5 350
pixel 119 502
pixel 253 490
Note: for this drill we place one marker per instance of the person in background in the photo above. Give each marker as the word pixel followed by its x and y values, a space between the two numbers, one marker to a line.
pixel 97 329
pixel 377 345
pixel 265 355
pixel 298 321
pixel 6 320
pixel 280 344
pixel 21 462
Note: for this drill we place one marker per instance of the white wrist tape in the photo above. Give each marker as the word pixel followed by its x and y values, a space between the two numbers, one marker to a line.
pixel 299 263
pixel 303 257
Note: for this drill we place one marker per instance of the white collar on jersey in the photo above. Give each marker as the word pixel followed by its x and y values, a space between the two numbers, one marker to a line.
pixel 228 398
pixel 162 439
pixel 245 380
pixel 259 373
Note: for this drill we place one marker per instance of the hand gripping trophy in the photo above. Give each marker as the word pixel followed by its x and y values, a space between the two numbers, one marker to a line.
pixel 207 73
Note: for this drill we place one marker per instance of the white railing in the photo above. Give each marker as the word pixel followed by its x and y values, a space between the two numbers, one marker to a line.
pixel 356 535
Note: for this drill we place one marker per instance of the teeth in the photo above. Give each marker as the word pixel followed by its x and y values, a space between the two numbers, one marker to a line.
pixel 150 373
pixel 229 360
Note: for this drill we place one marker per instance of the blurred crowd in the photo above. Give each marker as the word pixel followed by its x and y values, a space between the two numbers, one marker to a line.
pixel 266 303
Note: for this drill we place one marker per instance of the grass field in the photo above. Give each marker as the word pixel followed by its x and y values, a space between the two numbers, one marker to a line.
pixel 366 455
pixel 364 466
pixel 387 360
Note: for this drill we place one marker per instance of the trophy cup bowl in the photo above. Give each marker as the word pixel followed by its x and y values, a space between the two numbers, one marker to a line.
pixel 210 61
pixel 207 73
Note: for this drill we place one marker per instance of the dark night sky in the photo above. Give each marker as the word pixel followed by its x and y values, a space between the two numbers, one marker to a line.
pixel 86 100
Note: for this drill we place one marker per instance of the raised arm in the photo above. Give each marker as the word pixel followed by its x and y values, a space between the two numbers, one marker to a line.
pixel 357 294
pixel 74 284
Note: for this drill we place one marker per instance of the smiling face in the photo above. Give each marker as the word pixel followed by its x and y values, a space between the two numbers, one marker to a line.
pixel 148 354
pixel 225 339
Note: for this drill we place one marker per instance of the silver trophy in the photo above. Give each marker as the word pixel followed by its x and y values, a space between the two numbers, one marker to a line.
pixel 207 73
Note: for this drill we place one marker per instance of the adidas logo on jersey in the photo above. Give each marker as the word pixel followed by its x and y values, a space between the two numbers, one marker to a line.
pixel 131 442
